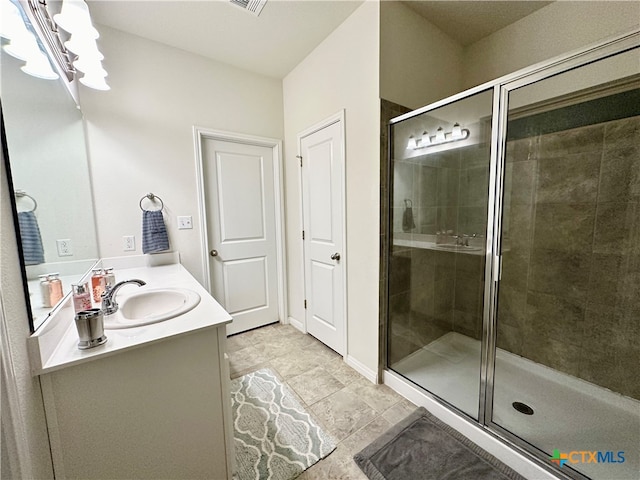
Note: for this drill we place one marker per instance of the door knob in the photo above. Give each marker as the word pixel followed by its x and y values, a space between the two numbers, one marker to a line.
pixel 213 253
pixel 335 256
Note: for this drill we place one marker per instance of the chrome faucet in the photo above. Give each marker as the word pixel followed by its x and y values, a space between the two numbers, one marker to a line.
pixel 109 305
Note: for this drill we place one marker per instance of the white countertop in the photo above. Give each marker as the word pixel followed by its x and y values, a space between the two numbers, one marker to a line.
pixel 56 345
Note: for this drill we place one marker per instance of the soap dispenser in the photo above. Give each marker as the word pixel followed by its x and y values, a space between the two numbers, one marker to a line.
pixel 109 278
pixel 44 290
pixel 81 296
pixel 55 288
pixel 97 284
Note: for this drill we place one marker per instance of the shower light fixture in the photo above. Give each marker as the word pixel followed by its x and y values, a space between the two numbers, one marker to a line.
pixel 457 133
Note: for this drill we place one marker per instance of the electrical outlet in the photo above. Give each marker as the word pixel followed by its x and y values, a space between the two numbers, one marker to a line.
pixel 185 222
pixel 128 243
pixel 65 248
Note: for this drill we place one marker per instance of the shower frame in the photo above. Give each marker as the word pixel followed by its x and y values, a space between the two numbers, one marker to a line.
pixel 501 88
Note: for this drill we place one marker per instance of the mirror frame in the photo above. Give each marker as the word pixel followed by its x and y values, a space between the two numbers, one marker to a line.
pixel 37 17
pixel 14 212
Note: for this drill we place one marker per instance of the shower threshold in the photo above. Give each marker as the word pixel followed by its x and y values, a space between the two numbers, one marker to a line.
pixel 569 414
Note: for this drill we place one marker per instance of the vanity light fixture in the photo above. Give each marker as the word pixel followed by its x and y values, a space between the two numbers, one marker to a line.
pixel 457 133
pixel 75 19
pixel 23 44
pixel 79 54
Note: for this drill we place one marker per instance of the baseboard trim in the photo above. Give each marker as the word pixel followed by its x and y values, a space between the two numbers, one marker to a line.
pixel 362 369
pixel 297 324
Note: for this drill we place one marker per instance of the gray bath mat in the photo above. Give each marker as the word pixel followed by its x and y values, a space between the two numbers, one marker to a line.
pixel 423 447
pixel 275 438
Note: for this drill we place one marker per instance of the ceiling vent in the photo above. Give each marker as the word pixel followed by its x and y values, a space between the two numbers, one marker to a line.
pixel 252 6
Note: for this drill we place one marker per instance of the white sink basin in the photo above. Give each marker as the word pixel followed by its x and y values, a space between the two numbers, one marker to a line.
pixel 152 306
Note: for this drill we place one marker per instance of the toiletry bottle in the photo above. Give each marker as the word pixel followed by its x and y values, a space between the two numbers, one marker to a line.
pixel 55 288
pixel 44 290
pixel 97 284
pixel 109 277
pixel 81 296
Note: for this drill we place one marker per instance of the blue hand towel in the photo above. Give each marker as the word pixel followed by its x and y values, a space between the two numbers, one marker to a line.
pixel 31 240
pixel 154 232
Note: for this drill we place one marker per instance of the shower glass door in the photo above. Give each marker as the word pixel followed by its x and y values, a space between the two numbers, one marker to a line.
pixel 568 320
pixel 440 186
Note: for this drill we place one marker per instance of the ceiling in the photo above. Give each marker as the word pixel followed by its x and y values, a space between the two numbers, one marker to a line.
pixel 469 21
pixel 287 30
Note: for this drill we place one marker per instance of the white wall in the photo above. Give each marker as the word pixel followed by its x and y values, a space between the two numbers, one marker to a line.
pixel 140 133
pixel 24 415
pixel 419 64
pixel 342 73
pixel 558 28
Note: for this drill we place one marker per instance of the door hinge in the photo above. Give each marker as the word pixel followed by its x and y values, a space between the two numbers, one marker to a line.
pixel 300 157
pixel 305 304
pixel 303 234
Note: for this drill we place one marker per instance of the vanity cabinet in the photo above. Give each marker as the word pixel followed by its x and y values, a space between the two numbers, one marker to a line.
pixel 161 410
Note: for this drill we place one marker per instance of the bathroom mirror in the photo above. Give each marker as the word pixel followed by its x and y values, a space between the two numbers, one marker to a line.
pixel 45 141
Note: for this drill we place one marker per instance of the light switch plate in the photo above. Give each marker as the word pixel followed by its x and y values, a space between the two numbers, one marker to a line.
pixel 128 243
pixel 65 249
pixel 185 222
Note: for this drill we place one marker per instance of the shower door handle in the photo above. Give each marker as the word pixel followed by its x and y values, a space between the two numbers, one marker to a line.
pixel 335 256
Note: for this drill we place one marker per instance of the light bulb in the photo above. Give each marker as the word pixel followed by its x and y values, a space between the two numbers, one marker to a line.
pixel 412 142
pixel 22 46
pixel 83 46
pixel 456 132
pixel 11 22
pixel 95 81
pixel 426 140
pixel 440 137
pixel 90 66
pixel 74 17
pixel 38 66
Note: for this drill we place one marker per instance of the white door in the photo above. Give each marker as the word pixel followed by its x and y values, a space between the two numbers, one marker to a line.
pixel 322 187
pixel 241 229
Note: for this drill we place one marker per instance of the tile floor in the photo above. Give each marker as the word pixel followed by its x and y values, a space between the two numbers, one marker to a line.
pixel 347 405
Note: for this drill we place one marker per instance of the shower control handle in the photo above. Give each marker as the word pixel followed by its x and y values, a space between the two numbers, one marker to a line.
pixel 213 253
pixel 335 256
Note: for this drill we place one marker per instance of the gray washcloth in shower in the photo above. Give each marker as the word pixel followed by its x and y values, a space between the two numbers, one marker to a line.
pixel 32 249
pixel 154 232
pixel 407 220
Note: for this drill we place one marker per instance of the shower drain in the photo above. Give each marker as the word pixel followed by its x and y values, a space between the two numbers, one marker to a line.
pixel 522 408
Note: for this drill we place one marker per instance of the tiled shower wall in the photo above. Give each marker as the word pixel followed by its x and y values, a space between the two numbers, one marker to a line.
pixel 435 292
pixel 388 110
pixel 570 289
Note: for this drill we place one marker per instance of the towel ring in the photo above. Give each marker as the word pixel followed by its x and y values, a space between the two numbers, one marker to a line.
pixel 153 198
pixel 22 193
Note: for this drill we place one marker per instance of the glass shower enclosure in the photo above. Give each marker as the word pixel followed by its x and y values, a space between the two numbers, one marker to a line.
pixel 513 289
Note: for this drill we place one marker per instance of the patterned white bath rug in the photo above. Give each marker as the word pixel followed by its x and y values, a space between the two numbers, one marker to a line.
pixel 275 438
